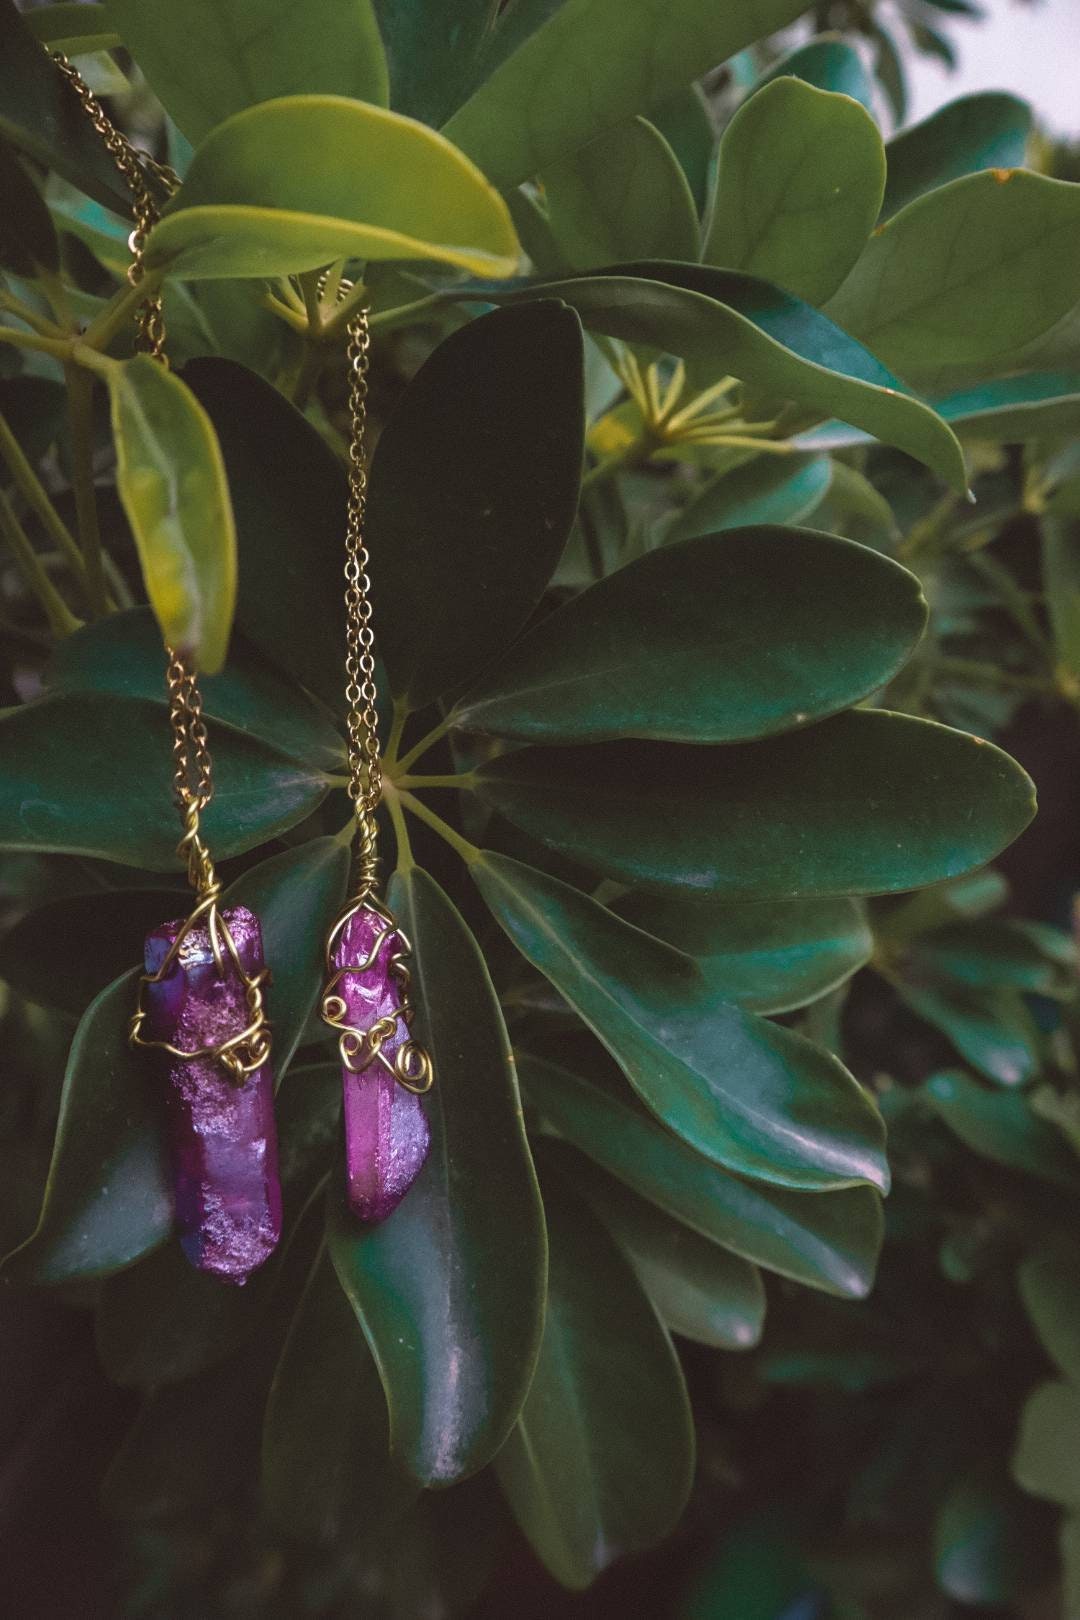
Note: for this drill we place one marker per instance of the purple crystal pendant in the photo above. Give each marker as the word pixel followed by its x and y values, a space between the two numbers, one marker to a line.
pixel 384 1071
pixel 201 1010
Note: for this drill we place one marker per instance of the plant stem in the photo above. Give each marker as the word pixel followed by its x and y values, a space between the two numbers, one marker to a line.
pixel 308 373
pixel 635 455
pixel 461 846
pixel 36 497
pixel 119 311
pixel 37 323
pixel 61 619
pixel 397 726
pixel 59 348
pixel 405 861
pixel 285 312
pixel 973 669
pixel 80 391
pixel 464 780
pixel 427 741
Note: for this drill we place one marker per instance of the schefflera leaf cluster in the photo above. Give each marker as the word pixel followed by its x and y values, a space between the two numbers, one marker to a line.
pixel 634 822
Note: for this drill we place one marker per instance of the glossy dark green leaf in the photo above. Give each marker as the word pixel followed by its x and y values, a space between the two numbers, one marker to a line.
pixel 781 346
pixel 450 1292
pixel 989 954
pixel 114 919
pixel 799 185
pixel 601 1461
pixel 431 49
pixel 28 242
pixel 686 123
pixel 91 774
pixel 765 958
pixel 531 112
pixel 700 1290
pixel 171 479
pixel 1048 1281
pixel 289 494
pixel 685 644
pixel 1009 410
pixel 473 492
pixel 830 64
pixel 326 1467
pixel 964 278
pixel 73 27
pixel 744 1093
pixel 1047 1457
pixel 259 198
pixel 769 489
pixel 161 1321
pixel 987 1545
pixel 108 1199
pixel 123 655
pixel 41 115
pixel 993 1030
pixel 209 58
pixel 623 196
pixel 864 803
pixel 1061 577
pixel 985 131
pixel 826 1240
pixel 1002 1126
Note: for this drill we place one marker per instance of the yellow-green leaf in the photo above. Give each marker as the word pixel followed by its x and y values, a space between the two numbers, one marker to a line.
pixel 171 480
pixel 291 184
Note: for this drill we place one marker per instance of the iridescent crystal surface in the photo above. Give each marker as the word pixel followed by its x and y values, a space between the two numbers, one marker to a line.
pixel 222 1137
pixel 386 1130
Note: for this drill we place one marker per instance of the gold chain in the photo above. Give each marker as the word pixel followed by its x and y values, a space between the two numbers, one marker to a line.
pixel 193 775
pixel 365 770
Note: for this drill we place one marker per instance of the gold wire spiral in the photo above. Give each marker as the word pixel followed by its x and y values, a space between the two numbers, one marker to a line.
pixel 410 1065
pixel 247 1051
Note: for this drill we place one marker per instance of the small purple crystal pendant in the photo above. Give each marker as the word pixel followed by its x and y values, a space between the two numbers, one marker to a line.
pixel 384 1071
pixel 200 1007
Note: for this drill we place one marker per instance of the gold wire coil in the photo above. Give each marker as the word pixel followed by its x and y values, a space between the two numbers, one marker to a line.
pixel 410 1065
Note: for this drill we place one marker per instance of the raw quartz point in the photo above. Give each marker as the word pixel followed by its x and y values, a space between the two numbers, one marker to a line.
pixel 222 1136
pixel 386 1130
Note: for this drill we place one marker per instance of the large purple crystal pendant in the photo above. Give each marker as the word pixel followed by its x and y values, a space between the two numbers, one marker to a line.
pixel 386 1130
pixel 222 1137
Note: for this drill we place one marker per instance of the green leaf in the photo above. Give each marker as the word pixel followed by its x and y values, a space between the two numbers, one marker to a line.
pixel 685 644
pixel 988 1549
pixel 108 1197
pixel 91 774
pixel 685 121
pixel 462 553
pixel 115 919
pixel 1008 410
pixel 1047 1458
pixel 123 655
pixel 260 200
pixel 990 954
pixel 992 1029
pixel 210 58
pixel 171 479
pixel 826 1240
pixel 771 340
pixel 962 279
pixel 326 1467
pixel 744 1093
pixel 864 803
pixel 73 27
pixel 985 131
pixel 700 1291
pixel 450 1292
pixel 1048 1287
pixel 289 496
pixel 41 115
pixel 161 1321
pixel 601 1461
pixel 1002 1126
pixel 432 48
pixel 1061 579
pixel 765 958
pixel 799 186
pixel 769 489
pixel 623 196
pixel 531 111
pixel 830 64
pixel 28 243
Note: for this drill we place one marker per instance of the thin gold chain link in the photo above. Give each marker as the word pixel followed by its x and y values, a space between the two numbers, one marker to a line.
pixel 193 774
pixel 365 770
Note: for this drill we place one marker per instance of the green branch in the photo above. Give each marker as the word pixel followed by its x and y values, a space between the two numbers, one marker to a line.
pixel 61 619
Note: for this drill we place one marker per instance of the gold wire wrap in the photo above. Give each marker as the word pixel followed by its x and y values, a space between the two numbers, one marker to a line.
pixel 411 1065
pixel 193 785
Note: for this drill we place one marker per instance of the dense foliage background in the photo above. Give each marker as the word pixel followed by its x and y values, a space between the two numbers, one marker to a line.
pixel 724 503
